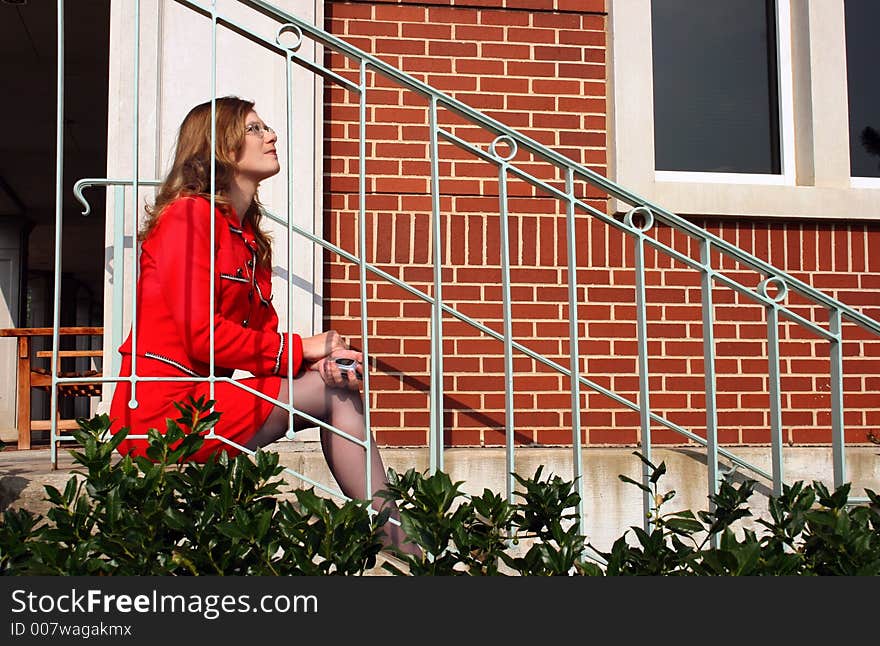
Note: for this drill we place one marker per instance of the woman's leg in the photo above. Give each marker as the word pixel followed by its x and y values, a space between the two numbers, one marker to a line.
pixel 344 410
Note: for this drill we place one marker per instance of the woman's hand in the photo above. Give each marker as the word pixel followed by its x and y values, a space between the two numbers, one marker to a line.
pixel 322 345
pixel 321 350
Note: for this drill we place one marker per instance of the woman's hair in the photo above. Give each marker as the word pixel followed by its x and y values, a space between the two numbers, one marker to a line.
pixel 190 173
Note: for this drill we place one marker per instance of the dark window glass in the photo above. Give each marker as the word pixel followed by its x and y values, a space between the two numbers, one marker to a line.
pixel 716 105
pixel 863 85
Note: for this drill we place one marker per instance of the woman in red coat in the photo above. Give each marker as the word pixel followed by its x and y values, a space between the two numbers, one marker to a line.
pixel 174 316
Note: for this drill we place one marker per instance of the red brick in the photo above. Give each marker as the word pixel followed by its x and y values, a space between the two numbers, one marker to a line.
pixel 873 259
pixel 450 15
pixel 581 6
pixel 372 28
pixel 558 53
pixel 581 37
pixel 479 33
pixel 446 48
pixel 530 35
pixel 505 51
pixel 385 418
pixel 556 20
pixel 400 13
pixel 531 5
pixel 505 18
pixel 810 436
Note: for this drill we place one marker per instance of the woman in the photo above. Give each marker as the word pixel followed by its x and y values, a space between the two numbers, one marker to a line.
pixel 174 310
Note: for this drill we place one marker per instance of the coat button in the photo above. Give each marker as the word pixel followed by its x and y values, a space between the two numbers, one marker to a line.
pixel 239 272
pixel 250 264
pixel 244 323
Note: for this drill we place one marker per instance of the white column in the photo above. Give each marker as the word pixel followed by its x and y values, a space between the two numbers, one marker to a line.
pixel 175 75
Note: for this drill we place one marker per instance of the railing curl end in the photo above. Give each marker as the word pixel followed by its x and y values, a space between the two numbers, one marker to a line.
pixel 289 28
pixel 506 140
pixel 645 212
pixel 78 193
pixel 775 281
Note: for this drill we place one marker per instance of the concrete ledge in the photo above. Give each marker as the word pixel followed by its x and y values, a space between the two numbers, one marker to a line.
pixel 611 505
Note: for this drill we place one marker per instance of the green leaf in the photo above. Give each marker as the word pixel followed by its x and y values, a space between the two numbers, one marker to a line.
pixel 624 478
pixel 684 525
pixel 658 472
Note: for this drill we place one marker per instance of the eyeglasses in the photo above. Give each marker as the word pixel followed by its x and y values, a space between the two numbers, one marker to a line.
pixel 258 130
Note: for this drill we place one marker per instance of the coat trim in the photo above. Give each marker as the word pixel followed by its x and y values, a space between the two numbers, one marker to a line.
pixel 172 362
pixel 237 279
pixel 280 352
pixel 254 282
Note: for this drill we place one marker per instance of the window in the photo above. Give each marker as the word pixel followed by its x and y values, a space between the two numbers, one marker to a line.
pixel 863 88
pixel 751 114
pixel 716 105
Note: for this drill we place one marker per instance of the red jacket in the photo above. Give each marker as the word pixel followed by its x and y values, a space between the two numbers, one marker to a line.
pixel 173 316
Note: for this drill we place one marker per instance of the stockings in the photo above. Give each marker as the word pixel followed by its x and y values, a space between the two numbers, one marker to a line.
pixel 343 409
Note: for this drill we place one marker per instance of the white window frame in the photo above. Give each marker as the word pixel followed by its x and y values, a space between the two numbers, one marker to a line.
pixel 814 124
pixel 786 121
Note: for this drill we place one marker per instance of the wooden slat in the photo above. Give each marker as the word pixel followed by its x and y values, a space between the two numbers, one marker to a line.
pixel 45 354
pixel 47 331
pixel 46 425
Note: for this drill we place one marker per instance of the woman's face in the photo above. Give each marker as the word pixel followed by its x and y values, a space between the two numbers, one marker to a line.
pixel 258 158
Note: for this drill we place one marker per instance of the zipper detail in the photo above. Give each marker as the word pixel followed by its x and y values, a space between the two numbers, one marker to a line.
pixel 172 362
pixel 278 356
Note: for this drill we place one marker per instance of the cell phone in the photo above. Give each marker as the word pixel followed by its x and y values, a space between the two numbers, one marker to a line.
pixel 350 365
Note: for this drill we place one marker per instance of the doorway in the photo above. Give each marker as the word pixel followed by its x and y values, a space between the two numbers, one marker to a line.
pixel 28 56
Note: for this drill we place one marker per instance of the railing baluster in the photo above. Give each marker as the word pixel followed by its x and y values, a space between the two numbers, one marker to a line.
pixel 574 352
pixel 709 369
pixel 362 261
pixel 211 301
pixel 776 438
pixel 116 334
pixel 59 212
pixel 837 427
pixel 436 439
pixel 642 340
pixel 135 170
pixel 288 96
pixel 509 425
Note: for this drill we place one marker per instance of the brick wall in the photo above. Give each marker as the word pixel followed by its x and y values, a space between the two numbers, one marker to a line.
pixel 539 67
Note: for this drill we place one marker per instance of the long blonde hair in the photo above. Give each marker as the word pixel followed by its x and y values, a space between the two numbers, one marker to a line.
pixel 190 173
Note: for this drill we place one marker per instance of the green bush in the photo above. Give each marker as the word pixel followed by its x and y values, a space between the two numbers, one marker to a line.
pixel 810 532
pixel 166 516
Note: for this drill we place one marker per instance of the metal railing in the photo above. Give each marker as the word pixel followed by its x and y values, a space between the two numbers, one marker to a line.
pixel 638 226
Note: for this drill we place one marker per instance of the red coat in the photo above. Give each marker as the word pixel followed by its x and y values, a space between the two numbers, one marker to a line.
pixel 174 321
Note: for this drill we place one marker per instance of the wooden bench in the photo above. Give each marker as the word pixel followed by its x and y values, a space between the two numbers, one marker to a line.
pixel 31 376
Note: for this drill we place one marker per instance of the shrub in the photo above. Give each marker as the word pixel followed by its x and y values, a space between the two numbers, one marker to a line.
pixel 810 532
pixel 473 535
pixel 162 515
